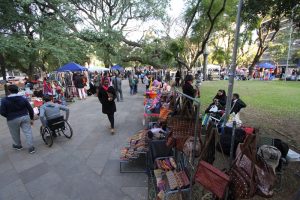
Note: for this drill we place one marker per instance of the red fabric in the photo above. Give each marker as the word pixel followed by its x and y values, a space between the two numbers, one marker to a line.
pixel 212 179
pixel 105 88
pixel 248 130
pixel 37 103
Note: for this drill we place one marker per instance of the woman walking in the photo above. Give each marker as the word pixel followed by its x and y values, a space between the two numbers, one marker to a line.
pixel 106 96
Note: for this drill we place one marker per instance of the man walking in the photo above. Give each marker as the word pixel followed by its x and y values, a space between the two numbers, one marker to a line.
pixel 15 108
pixel 117 84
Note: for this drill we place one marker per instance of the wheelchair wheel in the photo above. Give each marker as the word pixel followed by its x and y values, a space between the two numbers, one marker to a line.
pixel 67 130
pixel 47 136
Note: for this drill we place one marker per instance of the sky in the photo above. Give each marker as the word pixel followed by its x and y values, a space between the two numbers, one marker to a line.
pixel 175 11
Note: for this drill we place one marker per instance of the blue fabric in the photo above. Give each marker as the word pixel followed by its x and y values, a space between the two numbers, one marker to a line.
pixel 73 67
pixel 266 65
pixel 14 107
pixel 117 67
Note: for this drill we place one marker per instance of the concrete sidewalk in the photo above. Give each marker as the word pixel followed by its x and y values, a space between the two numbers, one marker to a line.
pixel 85 167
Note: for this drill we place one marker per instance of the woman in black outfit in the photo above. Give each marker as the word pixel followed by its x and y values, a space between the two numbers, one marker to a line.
pixel 221 97
pixel 106 96
pixel 188 88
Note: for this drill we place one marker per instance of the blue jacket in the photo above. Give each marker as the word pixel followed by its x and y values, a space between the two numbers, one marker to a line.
pixel 15 106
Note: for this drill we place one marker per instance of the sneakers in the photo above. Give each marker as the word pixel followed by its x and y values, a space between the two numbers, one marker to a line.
pixel 17 147
pixel 31 150
pixel 112 131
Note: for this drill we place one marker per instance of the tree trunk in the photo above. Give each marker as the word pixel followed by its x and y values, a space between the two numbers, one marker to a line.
pixel 3 72
pixel 30 71
pixel 256 60
pixel 205 66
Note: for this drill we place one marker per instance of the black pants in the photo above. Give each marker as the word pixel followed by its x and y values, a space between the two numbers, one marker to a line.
pixel 111 119
pixel 177 81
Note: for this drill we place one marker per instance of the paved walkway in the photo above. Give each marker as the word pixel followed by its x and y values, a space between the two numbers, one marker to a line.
pixel 85 167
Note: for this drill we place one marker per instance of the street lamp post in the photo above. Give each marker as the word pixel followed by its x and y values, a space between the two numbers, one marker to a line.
pixel 290 42
pixel 233 64
pixel 205 56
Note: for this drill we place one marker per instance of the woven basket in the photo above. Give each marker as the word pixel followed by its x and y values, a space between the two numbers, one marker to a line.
pixel 182 127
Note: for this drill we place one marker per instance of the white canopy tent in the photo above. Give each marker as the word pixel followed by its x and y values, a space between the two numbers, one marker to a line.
pixel 98 69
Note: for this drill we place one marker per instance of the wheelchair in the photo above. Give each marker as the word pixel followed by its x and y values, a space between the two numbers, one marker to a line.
pixel 54 128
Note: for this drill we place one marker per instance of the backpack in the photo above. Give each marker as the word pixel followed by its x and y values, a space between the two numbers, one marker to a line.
pixel 282 147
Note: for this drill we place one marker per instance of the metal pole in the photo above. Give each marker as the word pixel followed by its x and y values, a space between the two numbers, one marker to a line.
pixel 233 65
pixel 290 42
pixel 192 174
pixel 205 55
pixel 232 142
pixel 196 132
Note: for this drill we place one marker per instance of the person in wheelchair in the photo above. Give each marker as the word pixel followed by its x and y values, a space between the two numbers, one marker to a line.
pixel 51 110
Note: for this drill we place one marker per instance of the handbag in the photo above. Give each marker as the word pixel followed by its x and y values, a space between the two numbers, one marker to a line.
pixel 265 177
pixel 207 175
pixel 242 172
pixel 189 145
pixel 212 179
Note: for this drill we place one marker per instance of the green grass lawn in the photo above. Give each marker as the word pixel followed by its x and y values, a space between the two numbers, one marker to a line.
pixel 274 97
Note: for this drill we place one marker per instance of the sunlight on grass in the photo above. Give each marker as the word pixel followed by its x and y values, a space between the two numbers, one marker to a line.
pixel 274 97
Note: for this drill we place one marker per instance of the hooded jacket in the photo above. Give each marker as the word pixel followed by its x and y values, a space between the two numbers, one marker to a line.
pixel 51 110
pixel 14 106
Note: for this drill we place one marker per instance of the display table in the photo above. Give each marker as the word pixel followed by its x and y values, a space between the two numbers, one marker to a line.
pixel 141 160
pixel 135 150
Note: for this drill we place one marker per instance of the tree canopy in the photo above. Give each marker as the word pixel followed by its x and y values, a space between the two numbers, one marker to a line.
pixel 44 34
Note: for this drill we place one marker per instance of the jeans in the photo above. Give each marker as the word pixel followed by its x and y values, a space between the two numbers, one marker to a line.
pixel 14 128
pixel 135 89
pixel 119 94
pixel 131 89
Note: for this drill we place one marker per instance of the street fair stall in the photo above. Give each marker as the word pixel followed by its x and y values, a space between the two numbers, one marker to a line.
pixel 136 147
pixel 180 151
pixel 156 102
pixel 60 83
pixel 167 170
pixel 66 75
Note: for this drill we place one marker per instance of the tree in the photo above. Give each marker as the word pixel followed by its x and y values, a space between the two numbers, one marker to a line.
pixel 36 37
pixel 104 23
pixel 197 16
pixel 265 17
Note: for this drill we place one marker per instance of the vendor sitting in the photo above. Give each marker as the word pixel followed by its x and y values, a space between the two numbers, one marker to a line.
pixel 216 109
pixel 51 110
pixel 221 97
pixel 237 104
